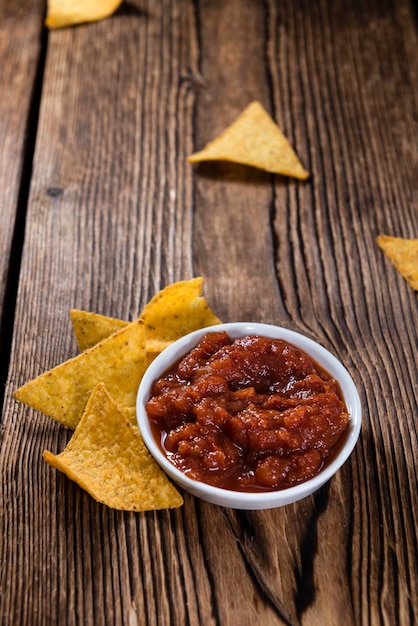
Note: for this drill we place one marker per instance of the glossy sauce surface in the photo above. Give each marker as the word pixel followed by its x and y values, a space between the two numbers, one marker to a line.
pixel 248 414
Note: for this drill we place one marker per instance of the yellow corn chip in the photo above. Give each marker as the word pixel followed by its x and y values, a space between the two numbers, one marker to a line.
pixel 154 347
pixel 254 139
pixel 62 13
pixel 91 328
pixel 130 414
pixel 118 361
pixel 107 457
pixel 404 255
pixel 176 310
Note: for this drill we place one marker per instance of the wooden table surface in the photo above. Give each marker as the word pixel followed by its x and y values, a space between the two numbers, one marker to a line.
pixel 99 210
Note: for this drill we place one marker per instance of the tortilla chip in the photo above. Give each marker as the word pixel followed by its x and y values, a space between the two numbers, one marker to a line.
pixel 130 414
pixel 91 328
pixel 107 457
pixel 403 253
pixel 62 13
pixel 118 361
pixel 173 312
pixel 254 139
pixel 154 347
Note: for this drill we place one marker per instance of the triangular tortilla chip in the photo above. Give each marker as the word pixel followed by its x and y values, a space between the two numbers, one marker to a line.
pixel 254 139
pixel 118 361
pixel 62 13
pixel 91 328
pixel 404 255
pixel 173 312
pixel 107 457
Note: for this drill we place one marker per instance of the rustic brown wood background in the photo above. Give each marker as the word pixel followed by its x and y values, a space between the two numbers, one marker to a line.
pixel 99 210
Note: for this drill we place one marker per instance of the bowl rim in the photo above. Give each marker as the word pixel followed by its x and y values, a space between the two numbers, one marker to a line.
pixel 243 499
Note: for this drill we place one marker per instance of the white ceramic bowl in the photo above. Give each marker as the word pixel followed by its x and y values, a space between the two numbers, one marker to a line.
pixel 237 499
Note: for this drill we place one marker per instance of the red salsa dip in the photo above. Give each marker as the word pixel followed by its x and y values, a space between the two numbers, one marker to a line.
pixel 248 414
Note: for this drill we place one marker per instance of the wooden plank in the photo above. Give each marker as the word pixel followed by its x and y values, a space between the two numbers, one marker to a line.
pixel 20 57
pixel 341 87
pixel 362 109
pixel 115 213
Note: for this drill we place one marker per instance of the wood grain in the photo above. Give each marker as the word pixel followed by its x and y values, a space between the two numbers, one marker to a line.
pixel 115 212
pixel 21 54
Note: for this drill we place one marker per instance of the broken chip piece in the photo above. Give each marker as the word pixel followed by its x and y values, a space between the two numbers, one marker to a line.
pixel 254 139
pixel 61 13
pixel 118 361
pixel 107 457
pixel 403 253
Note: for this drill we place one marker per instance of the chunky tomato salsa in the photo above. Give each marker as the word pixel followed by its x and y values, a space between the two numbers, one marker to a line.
pixel 248 414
